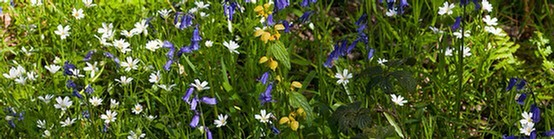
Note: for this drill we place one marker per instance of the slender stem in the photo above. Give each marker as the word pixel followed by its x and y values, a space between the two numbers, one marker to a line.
pixel 348 93
pixel 461 66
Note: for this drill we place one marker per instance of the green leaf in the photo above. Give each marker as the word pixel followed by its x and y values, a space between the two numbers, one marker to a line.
pixel 226 84
pixel 405 80
pixel 298 100
pixel 393 123
pixel 280 52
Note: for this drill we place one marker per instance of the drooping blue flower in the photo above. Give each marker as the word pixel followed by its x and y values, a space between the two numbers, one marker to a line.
pixel 464 2
pixel 549 133
pixel 361 22
pixel 275 130
pixel 370 53
pixel 264 78
pixel 86 114
pixel 280 5
pixel 511 84
pixel 521 99
pixel 343 48
pixel 477 5
pixel 403 4
pixel 287 25
pixel 0 10
pixel 111 56
pixel 167 44
pixel 208 133
pixel 186 21
pixel 533 134
pixel 77 94
pixel 184 50
pixel 105 127
pixel 70 84
pixel 171 53
pixel 270 21
pixel 329 62
pixel 518 83
pixel 167 65
pixel 66 68
pixel 196 35
pixel 266 97
pixel 88 56
pixel 536 113
pixel 229 9
pixel 21 117
pixel 306 3
pixel 521 84
pixel 209 100
pixel 194 103
pixel 352 46
pixel 305 17
pixel 457 23
pixel 187 95
pixel 89 89
pixel 195 120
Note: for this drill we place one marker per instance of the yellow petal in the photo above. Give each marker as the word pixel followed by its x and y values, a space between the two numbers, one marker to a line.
pixel 259 32
pixel 294 125
pixel 284 120
pixel 273 64
pixel 258 9
pixel 267 5
pixel 265 37
pixel 263 60
pixel 276 36
pixel 301 112
pixel 296 84
pixel 279 27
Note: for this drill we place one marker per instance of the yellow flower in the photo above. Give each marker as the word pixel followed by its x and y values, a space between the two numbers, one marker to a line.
pixel 272 64
pixel 263 10
pixel 284 120
pixel 263 59
pixel 294 125
pixel 301 112
pixel 295 84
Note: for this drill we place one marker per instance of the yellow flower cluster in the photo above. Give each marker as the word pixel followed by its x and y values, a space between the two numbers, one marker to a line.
pixel 295 84
pixel 272 64
pixel 266 34
pixel 291 119
pixel 263 10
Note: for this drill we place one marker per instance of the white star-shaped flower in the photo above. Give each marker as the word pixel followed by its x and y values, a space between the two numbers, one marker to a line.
pixel 398 100
pixel 446 8
pixel 343 77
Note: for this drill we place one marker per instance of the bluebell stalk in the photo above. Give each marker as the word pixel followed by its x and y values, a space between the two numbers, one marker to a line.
pixel 196 35
pixel 89 89
pixel 536 113
pixel 189 92
pixel 521 99
pixel 167 65
pixel 457 23
pixel 266 97
pixel 88 56
pixel 77 94
pixel 287 25
pixel 66 68
pixel 229 9
pixel 403 4
pixel 305 17
pixel 186 21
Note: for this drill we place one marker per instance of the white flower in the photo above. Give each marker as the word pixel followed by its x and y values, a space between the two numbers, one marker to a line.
pixel 140 27
pixel 20 80
pixel 46 134
pixel 398 100
pixel 91 68
pixel 436 30
pixel 36 2
pixel 232 46
pixel 263 117
pixel 67 122
pixel 109 116
pixel 124 80
pixel 127 34
pixel 193 10
pixel 527 118
pixel 166 87
pixel 130 63
pixel 164 13
pixel 121 45
pixel 390 13
pixel 63 104
pixel 201 5
pixel 209 43
pixel 466 51
pixel 76 73
pixel 106 30
pixel 88 3
pixel 446 8
pixel 490 21
pixel 52 68
pixel 46 99
pixel 113 103
pixel 151 117
pixel 103 41
pixel 155 77
pixel 448 52
pixel 31 75
pixel 495 31
pixel 203 14
pixel 41 124
pixel 137 109
pixel 221 120
pixel 382 61
pixel 78 14
pixel 153 45
pixel 57 60
pixel 458 34
pixel 63 31
pixel 343 77
pixel 95 101
pixel 527 129
pixel 200 85
pixel 486 6
pixel 133 135
pixel 27 52
pixel 14 72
